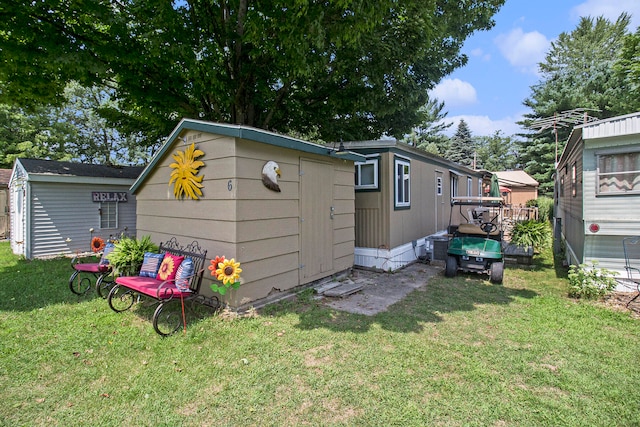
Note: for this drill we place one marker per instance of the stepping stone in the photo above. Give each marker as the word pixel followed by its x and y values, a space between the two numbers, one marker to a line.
pixel 344 290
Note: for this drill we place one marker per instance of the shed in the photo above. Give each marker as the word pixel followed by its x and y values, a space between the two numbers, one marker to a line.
pixel 403 201
pixel 57 207
pixel 5 176
pixel 597 190
pixel 286 231
pixel 517 187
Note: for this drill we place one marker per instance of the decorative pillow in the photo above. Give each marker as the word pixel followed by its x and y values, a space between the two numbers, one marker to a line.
pixel 185 271
pixel 108 248
pixel 151 264
pixel 169 267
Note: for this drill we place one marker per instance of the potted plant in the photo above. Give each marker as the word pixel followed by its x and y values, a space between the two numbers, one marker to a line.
pixel 128 254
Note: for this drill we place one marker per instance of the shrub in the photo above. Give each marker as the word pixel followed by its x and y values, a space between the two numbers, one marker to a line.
pixel 128 254
pixel 531 233
pixel 544 205
pixel 589 281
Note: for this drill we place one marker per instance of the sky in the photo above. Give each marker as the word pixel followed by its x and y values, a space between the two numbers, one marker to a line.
pixel 488 92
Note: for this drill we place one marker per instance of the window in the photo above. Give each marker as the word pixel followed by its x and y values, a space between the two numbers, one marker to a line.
pixel 618 173
pixel 109 215
pixel 402 186
pixel 562 186
pixel 454 185
pixel 439 186
pixel 367 175
pixel 469 186
pixel 574 180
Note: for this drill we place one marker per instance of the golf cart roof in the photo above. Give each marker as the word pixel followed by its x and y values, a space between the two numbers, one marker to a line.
pixel 476 201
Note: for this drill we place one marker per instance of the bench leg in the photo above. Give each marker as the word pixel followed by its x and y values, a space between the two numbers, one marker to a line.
pixel 120 298
pixel 104 285
pixel 78 284
pixel 168 319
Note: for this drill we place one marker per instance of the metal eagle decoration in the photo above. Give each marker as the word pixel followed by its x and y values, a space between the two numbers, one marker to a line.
pixel 270 175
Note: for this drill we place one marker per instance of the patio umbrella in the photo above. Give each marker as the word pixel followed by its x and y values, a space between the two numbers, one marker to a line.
pixel 494 191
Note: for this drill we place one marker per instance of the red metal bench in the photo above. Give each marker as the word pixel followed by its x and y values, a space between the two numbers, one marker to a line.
pixel 80 283
pixel 172 299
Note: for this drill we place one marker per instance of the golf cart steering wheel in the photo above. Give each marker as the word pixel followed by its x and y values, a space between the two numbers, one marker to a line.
pixel 488 227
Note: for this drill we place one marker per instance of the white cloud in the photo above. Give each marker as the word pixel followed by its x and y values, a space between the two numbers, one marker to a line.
pixel 523 50
pixel 481 54
pixel 455 93
pixel 610 9
pixel 485 126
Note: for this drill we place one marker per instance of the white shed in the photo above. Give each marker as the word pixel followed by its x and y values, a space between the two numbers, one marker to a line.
pixel 57 207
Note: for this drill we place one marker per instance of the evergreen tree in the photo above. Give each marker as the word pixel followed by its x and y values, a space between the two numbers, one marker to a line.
pixel 496 152
pixel 429 136
pixel 578 72
pixel 462 148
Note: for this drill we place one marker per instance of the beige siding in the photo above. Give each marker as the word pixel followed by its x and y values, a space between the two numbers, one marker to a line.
pixel 239 217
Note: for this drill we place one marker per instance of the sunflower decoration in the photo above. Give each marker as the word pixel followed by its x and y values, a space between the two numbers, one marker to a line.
pixel 227 271
pixel 97 244
pixel 184 177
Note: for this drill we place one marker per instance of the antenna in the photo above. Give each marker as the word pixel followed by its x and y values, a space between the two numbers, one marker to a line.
pixel 563 119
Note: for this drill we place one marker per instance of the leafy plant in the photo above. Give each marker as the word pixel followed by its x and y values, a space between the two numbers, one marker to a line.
pixel 544 205
pixel 531 233
pixel 128 254
pixel 589 281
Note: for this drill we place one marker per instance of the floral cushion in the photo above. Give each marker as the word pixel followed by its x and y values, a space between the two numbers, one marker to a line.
pixel 151 264
pixel 108 248
pixel 169 267
pixel 185 271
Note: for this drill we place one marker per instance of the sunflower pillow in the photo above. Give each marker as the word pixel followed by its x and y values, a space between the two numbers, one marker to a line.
pixel 169 267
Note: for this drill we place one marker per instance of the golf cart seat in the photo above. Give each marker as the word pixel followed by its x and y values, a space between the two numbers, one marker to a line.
pixel 475 230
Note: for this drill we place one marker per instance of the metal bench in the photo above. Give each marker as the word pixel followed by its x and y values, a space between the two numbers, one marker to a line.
pixel 80 281
pixel 169 315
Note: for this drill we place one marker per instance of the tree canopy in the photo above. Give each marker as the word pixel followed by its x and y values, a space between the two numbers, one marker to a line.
pixel 579 71
pixel 347 69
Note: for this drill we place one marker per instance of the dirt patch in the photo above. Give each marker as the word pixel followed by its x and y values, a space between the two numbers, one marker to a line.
pixel 620 301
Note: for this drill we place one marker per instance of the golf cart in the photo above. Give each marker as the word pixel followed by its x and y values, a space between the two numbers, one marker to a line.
pixel 475 243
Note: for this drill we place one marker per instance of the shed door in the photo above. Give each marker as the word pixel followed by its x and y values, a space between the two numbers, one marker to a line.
pixel 316 214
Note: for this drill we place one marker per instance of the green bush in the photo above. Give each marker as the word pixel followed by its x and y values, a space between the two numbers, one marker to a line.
pixel 531 233
pixel 544 205
pixel 128 254
pixel 589 281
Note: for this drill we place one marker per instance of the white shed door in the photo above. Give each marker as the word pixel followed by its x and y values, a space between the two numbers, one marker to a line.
pixel 316 219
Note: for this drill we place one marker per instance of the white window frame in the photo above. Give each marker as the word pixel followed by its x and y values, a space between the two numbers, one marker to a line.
pixel 439 186
pixel 358 174
pixel 402 185
pixel 110 209
pixel 603 174
pixel 454 185
pixel 469 186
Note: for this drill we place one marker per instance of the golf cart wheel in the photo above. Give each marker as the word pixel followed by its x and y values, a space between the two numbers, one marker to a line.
pixel 451 266
pixel 497 271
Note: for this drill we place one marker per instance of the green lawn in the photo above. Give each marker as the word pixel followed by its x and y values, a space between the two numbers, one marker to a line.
pixel 460 352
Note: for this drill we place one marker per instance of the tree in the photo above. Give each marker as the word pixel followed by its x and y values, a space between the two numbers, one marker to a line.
pixel 496 152
pixel 628 69
pixel 428 135
pixel 346 69
pixel 462 148
pixel 578 72
pixel 72 131
pixel 37 134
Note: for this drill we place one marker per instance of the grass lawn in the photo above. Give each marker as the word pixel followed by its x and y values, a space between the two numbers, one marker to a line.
pixel 460 352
